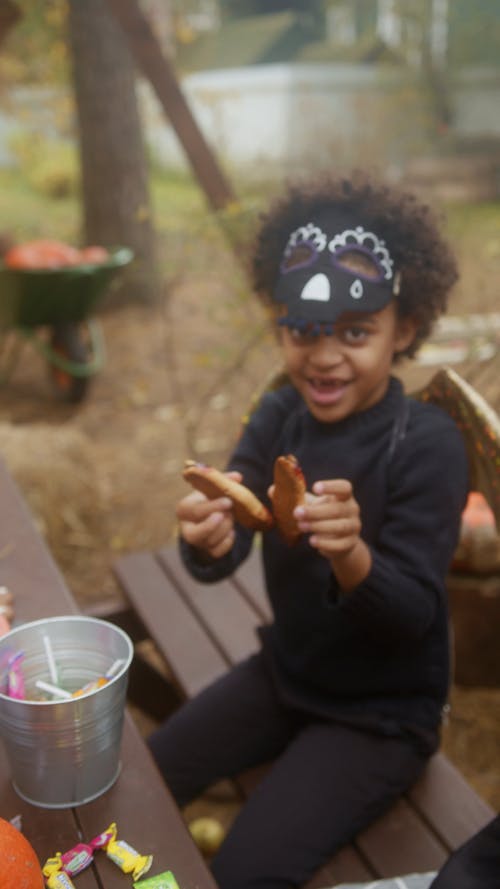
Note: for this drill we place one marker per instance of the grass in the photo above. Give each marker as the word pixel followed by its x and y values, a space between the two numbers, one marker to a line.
pixel 476 225
pixel 26 213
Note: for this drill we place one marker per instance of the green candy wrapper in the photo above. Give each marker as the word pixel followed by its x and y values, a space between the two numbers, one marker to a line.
pixel 165 880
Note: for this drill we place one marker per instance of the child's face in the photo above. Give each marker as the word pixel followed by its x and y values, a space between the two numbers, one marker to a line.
pixel 349 371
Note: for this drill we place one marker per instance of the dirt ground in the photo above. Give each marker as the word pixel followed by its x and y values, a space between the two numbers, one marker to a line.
pixel 103 477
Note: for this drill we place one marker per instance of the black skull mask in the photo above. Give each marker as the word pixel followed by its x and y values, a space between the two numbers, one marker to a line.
pixel 329 268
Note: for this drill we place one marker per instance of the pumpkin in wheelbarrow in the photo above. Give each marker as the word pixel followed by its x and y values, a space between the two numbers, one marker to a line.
pixel 49 254
pixel 20 866
pixel 94 254
pixel 41 254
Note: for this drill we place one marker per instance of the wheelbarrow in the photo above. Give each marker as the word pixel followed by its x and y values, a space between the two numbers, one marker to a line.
pixel 61 301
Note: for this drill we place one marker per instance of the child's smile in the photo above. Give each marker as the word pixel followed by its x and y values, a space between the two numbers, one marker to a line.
pixel 327 391
pixel 347 371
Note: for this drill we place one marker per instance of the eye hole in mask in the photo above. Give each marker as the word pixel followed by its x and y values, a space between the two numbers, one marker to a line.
pixel 299 257
pixel 359 262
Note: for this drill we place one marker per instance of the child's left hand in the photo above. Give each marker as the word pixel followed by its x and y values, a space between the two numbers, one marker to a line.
pixel 332 519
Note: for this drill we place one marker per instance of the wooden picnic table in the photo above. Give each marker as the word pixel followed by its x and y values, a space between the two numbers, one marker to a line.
pixel 143 809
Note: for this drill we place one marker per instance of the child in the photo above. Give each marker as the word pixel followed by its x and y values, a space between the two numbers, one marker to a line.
pixel 347 690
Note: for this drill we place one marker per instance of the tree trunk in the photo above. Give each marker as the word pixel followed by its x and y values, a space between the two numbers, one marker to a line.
pixel 9 15
pixel 116 201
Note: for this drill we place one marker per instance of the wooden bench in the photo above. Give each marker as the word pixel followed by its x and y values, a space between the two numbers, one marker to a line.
pixel 201 630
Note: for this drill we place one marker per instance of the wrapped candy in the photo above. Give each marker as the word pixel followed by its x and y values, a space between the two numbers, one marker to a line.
pixel 127 858
pixel 90 686
pixel 15 677
pixel 165 880
pixel 77 859
pixel 59 869
pixel 115 668
pixel 59 880
pixel 70 863
pixel 102 840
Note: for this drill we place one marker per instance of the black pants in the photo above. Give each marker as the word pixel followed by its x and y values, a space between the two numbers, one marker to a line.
pixel 476 865
pixel 328 781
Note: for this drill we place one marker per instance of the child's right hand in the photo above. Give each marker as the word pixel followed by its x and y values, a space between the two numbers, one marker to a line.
pixel 208 525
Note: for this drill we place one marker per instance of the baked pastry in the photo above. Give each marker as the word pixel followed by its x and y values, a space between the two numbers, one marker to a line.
pixel 289 492
pixel 247 508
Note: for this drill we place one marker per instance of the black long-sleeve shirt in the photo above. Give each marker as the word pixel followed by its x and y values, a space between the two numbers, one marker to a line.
pixel 377 656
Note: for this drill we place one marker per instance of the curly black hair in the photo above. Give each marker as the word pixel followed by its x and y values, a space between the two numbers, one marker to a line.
pixel 410 229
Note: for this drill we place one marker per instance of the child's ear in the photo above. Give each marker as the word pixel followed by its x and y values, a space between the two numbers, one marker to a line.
pixel 405 334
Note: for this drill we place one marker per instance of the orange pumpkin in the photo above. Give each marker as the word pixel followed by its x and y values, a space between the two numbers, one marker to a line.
pixel 20 865
pixel 94 255
pixel 41 254
pixel 477 513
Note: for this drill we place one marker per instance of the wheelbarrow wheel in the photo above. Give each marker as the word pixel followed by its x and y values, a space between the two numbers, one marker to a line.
pixel 67 342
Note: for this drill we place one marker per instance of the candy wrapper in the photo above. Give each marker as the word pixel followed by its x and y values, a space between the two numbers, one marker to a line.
pixel 59 869
pixel 70 863
pixel 77 859
pixel 101 841
pixel 161 881
pixel 59 880
pixel 114 669
pixel 127 858
pixel 15 677
pixel 90 686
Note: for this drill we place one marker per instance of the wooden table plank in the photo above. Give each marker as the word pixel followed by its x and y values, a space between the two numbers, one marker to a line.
pixel 26 566
pixel 48 830
pixel 147 818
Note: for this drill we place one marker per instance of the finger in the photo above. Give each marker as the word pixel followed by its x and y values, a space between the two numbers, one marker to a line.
pixel 220 531
pixel 236 476
pixel 325 509
pixel 339 487
pixel 223 547
pixel 198 533
pixel 333 546
pixel 196 507
pixel 337 529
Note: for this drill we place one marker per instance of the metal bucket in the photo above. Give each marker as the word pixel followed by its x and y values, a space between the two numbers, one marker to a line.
pixel 65 752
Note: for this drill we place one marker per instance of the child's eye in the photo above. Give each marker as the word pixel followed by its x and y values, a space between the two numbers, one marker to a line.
pixel 302 337
pixel 354 335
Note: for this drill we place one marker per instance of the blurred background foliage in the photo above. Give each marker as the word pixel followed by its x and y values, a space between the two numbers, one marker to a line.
pixel 36 51
pixel 196 33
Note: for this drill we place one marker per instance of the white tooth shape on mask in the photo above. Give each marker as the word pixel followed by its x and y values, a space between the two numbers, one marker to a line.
pixel 317 288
